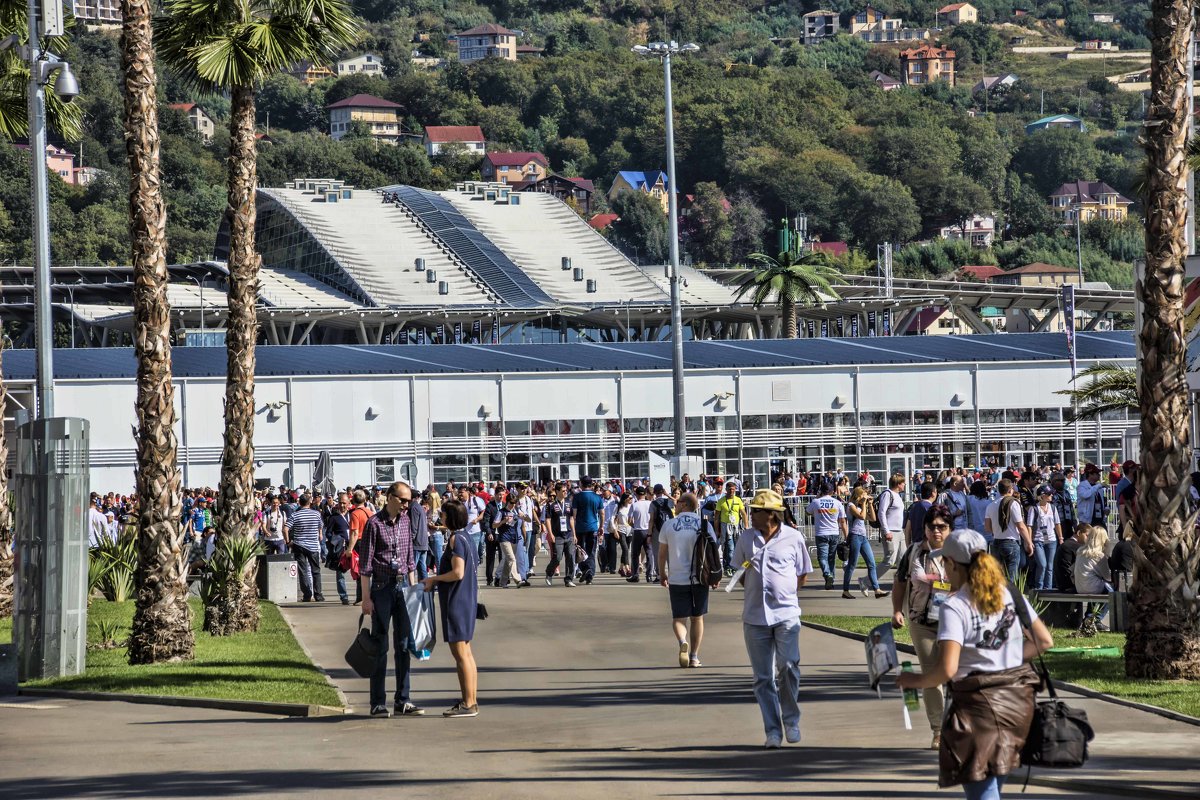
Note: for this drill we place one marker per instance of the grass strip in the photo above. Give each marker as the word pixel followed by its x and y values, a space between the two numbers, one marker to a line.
pixel 1105 675
pixel 266 666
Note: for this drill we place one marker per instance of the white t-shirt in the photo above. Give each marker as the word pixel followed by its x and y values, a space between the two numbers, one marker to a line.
pixel 989 644
pixel 1041 523
pixel 1014 517
pixel 679 535
pixel 639 515
pixel 891 511
pixel 827 512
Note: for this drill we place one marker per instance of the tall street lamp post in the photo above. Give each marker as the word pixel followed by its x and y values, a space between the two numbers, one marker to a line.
pixel 663 52
pixel 42 67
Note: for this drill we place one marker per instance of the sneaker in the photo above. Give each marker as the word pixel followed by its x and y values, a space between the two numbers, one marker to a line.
pixel 694 662
pixel 773 742
pixel 632 579
pixel 1100 626
pixel 847 595
pixel 459 710
pixel 936 744
pixel 793 734
pixel 880 593
pixel 320 598
pixel 523 585
pixel 345 601
pixel 828 582
pixel 549 582
pixel 380 711
pixel 409 710
pixel 683 654
pixel 571 584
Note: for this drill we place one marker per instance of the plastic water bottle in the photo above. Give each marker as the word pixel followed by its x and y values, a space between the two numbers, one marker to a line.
pixel 912 697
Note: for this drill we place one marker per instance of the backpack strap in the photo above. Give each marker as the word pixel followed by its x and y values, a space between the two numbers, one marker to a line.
pixel 1022 609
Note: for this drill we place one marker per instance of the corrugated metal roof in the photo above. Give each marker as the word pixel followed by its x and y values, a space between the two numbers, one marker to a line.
pixel 276 361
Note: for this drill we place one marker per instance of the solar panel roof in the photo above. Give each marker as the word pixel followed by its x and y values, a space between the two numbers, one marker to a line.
pixel 412 359
pixel 476 250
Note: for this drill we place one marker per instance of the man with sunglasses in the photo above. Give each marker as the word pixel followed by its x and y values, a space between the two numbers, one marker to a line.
pixel 388 564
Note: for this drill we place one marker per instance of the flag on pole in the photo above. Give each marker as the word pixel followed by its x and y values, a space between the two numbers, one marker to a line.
pixel 420 336
pixel 841 326
pixel 458 333
pixel 854 326
pixel 871 330
pixel 824 328
pixel 404 336
pixel 477 331
pixel 1068 311
pixel 812 329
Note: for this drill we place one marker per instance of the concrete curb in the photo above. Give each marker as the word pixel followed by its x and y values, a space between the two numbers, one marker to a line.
pixel 328 678
pixel 1063 685
pixel 249 706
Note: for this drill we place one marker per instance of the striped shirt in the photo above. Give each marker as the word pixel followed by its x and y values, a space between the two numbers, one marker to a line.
pixel 305 529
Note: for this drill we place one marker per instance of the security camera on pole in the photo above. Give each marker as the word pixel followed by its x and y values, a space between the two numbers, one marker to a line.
pixel 51 475
pixel 663 51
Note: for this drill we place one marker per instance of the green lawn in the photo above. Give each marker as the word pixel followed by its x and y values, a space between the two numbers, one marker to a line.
pixel 1102 674
pixel 265 666
pixel 6 630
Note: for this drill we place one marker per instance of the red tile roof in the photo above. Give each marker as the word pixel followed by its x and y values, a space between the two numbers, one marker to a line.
pixel 952 7
pixel 583 183
pixel 926 51
pixel 1040 268
pixel 833 248
pixel 983 272
pixel 364 101
pixel 184 107
pixel 602 221
pixel 441 134
pixel 515 159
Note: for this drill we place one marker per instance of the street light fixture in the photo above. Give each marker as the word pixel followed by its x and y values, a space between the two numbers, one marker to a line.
pixel 42 67
pixel 200 283
pixel 663 52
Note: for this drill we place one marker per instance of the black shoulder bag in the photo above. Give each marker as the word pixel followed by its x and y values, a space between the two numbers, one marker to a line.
pixel 1059 734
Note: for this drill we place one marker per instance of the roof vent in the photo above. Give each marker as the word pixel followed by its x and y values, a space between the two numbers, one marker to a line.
pixel 430 276
pixel 591 285
pixel 566 263
pixel 419 264
pixel 578 273
pixel 443 287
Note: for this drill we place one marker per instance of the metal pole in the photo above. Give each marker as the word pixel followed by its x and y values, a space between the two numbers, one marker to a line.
pixel 71 292
pixel 676 309
pixel 43 322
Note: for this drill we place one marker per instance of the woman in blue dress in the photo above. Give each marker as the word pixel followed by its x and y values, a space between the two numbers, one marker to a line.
pixel 458 592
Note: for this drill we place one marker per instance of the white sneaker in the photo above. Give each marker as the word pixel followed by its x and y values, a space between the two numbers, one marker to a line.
pixel 773 742
pixel 793 734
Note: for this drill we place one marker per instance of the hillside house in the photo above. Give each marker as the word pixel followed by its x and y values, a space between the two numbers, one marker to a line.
pixel 1093 200
pixel 365 64
pixel 979 230
pixel 821 25
pixel 438 137
pixel 1057 121
pixel 927 64
pixel 885 82
pixel 514 168
pixel 574 191
pixel 382 117
pixel 487 41
pixel 198 118
pixel 308 72
pixel 653 183
pixel 957 14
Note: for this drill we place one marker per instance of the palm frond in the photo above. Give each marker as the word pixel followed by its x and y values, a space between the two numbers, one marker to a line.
pixel 1109 387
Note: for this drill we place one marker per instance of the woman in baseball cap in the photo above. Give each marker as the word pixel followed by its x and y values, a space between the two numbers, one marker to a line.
pixel 983 655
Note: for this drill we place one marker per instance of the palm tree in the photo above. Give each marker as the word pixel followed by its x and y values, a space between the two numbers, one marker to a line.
pixel 1163 639
pixel 162 623
pixel 788 280
pixel 219 46
pixel 6 551
pixel 1111 388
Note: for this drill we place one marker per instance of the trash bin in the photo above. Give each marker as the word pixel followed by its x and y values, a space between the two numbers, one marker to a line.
pixel 278 578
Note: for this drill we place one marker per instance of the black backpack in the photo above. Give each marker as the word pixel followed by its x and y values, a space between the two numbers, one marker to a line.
pixel 660 513
pixel 706 561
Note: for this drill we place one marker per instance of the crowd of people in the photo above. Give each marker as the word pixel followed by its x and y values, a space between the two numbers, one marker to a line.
pixel 959 543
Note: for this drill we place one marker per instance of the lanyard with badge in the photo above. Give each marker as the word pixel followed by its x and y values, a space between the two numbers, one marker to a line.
pixel 562 519
pixel 745 565
pixel 939 593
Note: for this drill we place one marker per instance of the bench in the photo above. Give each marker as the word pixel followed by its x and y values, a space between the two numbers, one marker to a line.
pixel 1067 610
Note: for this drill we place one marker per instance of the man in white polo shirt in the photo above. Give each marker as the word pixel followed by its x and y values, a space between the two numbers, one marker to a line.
pixel 773 564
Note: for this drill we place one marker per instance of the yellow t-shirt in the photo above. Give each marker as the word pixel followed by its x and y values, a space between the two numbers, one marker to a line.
pixel 729 509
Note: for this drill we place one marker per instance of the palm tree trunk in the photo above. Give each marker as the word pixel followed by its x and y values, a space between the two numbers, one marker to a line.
pixel 236 513
pixel 6 551
pixel 1163 640
pixel 162 628
pixel 788 309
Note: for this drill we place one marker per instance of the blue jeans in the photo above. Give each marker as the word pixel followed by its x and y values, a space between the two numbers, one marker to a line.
pixel 859 544
pixel 986 789
pixel 1008 552
pixel 390 612
pixel 422 557
pixel 522 553
pixel 477 538
pixel 340 580
pixel 774 652
pixel 531 548
pixel 729 537
pixel 437 543
pixel 826 550
pixel 1044 552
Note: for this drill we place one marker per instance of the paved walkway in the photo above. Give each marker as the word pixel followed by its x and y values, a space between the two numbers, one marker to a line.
pixel 580 697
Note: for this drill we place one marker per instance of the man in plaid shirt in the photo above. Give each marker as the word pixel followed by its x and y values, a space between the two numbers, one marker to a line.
pixel 388 565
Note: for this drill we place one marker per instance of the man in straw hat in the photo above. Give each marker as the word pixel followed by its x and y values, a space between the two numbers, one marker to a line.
pixel 773 563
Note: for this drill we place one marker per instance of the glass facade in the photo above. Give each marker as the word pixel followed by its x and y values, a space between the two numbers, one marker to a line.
pixel 756 444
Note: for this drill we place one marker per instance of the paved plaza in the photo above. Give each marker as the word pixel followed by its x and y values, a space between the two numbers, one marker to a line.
pixel 580 697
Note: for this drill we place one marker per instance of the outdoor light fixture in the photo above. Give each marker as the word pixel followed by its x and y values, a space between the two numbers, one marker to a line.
pixel 957 400
pixel 372 413
pixel 485 411
pixel 602 408
pixel 839 401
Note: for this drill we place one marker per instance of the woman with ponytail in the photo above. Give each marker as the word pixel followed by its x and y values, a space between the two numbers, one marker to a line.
pixel 983 653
